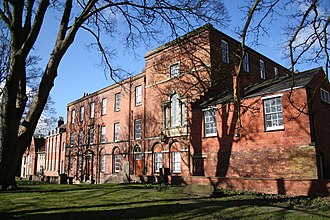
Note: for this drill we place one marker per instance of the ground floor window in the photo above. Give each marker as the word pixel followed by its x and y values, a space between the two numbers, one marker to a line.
pixel 176 162
pixel 158 162
pixel 116 163
pixel 102 163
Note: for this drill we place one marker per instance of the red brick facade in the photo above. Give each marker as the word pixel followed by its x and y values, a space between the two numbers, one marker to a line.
pixel 55 152
pixel 33 159
pixel 152 127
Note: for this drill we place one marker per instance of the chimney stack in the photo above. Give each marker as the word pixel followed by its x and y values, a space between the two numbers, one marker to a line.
pixel 60 121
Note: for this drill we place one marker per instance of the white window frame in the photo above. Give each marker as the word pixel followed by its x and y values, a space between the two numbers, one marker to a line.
pixel 116 160
pixel 71 140
pixel 138 95
pixel 175 110
pixel 116 133
pixel 325 96
pixel 224 51
pixel 174 69
pixel 80 161
pixel 262 69
pixel 92 110
pixel 80 138
pixel 104 106
pixel 158 161
pixel 82 113
pixel 103 134
pixel 117 101
pixel 210 122
pixel 137 129
pixel 276 74
pixel 73 116
pixel 275 113
pixel 246 66
pixel 103 163
pixel 176 162
pixel 90 135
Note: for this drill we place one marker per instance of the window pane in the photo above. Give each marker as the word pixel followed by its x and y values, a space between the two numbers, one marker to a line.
pixel 117 101
pixel 175 110
pixel 174 70
pixel 273 113
pixel 210 123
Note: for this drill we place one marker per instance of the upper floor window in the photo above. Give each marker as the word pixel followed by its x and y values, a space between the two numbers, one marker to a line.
pixel 273 113
pixel 103 134
pixel 138 95
pixel 80 138
pixel 116 132
pixel 117 101
pixel 104 106
pixel 325 97
pixel 210 122
pixel 262 69
pixel 82 113
pixel 73 116
pixel 246 66
pixel 225 51
pixel 90 135
pixel 174 70
pixel 137 129
pixel 71 139
pixel 92 110
pixel 174 112
pixel 276 74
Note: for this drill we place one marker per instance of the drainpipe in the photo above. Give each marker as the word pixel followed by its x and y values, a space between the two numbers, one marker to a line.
pixel 144 125
pixel 130 117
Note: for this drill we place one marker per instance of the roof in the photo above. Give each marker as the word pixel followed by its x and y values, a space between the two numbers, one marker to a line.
pixel 299 80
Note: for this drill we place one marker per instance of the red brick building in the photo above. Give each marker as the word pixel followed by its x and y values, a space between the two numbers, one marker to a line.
pixel 55 152
pixel 33 159
pixel 175 121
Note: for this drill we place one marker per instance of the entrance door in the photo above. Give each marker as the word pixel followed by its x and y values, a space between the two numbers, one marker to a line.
pixel 138 162
pixel 89 169
pixel 89 166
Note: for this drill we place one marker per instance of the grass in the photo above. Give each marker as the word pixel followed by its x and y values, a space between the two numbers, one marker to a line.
pixel 109 201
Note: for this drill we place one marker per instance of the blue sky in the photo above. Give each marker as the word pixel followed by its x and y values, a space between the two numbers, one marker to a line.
pixel 78 72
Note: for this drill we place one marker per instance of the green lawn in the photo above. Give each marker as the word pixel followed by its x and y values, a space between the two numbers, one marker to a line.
pixel 107 201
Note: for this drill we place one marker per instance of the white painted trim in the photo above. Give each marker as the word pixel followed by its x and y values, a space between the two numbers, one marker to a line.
pixel 271 96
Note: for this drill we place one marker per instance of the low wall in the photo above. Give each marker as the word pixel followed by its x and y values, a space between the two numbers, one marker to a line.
pixel 292 187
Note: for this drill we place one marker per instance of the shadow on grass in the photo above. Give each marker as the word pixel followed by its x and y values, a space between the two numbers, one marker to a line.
pixel 168 208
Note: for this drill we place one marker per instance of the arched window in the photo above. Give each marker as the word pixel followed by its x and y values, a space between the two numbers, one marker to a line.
pixel 175 157
pixel 80 161
pixel 102 161
pixel 157 158
pixel 174 112
pixel 115 160
pixel 137 153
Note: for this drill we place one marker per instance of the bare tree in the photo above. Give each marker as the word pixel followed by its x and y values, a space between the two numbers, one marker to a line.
pixel 306 34
pixel 144 20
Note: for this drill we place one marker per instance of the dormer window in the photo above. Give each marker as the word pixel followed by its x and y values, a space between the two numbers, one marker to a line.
pixel 225 51
pixel 325 97
pixel 262 69
pixel 174 70
pixel 246 66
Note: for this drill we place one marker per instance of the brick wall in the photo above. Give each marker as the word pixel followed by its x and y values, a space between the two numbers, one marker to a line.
pixel 291 187
pixel 256 153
